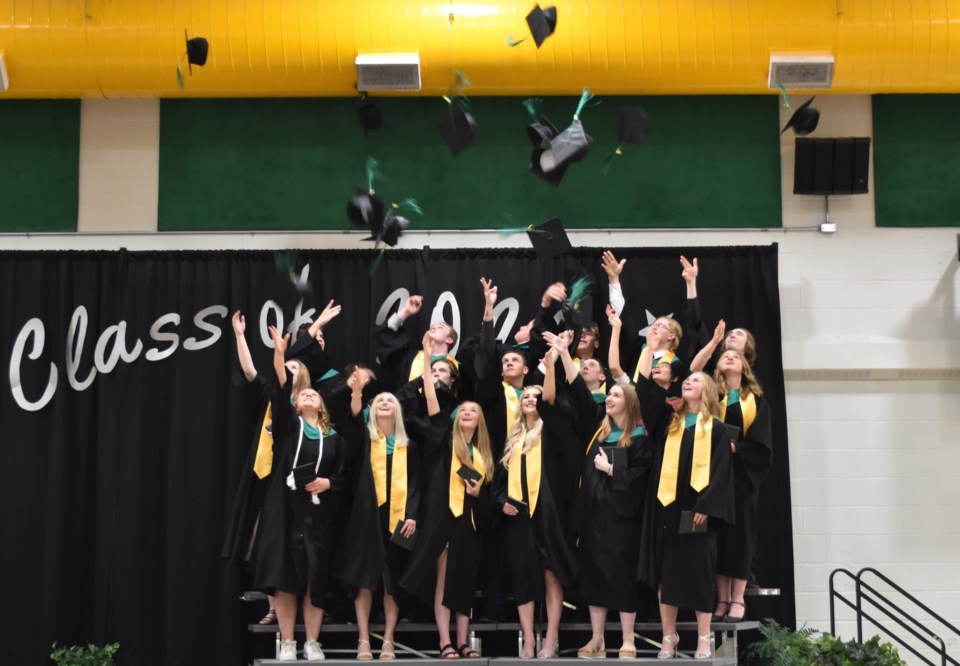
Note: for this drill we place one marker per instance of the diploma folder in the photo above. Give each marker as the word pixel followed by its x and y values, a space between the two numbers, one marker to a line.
pixel 617 455
pixel 304 474
pixel 523 509
pixel 687 526
pixel 407 543
pixel 469 474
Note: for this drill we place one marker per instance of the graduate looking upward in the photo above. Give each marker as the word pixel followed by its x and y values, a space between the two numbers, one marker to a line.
pixel 396 352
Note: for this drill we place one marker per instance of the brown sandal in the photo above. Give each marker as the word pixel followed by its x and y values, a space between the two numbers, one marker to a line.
pixel 270 617
pixel 449 652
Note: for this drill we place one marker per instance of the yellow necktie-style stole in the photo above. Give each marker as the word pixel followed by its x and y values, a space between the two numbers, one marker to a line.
pixel 587 452
pixel 263 461
pixel 534 462
pixel 513 404
pixel 670 467
pixel 748 408
pixel 668 357
pixel 458 490
pixel 398 485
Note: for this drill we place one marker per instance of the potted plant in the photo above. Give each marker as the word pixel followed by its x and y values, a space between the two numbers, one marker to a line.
pixel 89 655
pixel 781 646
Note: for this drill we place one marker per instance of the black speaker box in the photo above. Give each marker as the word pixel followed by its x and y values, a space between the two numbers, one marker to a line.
pixel 831 166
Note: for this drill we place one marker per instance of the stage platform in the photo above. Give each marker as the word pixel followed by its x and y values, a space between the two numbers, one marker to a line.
pixel 507 661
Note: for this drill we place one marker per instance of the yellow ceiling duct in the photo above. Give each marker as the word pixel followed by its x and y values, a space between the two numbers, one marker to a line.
pixel 277 48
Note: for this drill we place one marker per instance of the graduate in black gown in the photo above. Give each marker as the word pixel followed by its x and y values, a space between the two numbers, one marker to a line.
pixel 693 481
pixel 385 498
pixel 529 486
pixel 445 561
pixel 608 507
pixel 300 508
pixel 743 406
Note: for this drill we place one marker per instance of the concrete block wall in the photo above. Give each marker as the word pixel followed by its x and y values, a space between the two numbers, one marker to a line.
pixel 874 462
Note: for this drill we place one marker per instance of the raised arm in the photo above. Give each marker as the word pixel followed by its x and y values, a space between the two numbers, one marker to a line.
pixel 613 354
pixel 329 312
pixel 613 268
pixel 279 348
pixel 243 351
pixel 690 272
pixel 429 387
pixel 549 394
pixel 700 360
pixel 356 382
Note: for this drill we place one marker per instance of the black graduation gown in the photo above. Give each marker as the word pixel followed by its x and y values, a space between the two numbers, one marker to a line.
pixel 297 538
pixel 683 566
pixel 541 542
pixel 439 529
pixel 607 519
pixel 751 463
pixel 395 355
pixel 238 543
pixel 368 554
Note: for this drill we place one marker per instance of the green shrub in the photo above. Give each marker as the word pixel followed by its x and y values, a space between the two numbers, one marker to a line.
pixel 90 655
pixel 784 647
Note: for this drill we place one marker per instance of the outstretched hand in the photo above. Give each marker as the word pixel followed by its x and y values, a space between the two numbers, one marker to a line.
pixel 329 313
pixel 611 266
pixel 613 318
pixel 719 332
pixel 239 324
pixel 555 292
pixel 690 270
pixel 280 342
pixel 411 307
pixel 489 292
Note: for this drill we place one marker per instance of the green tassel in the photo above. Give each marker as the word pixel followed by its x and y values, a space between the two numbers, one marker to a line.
pixel 409 204
pixel 531 104
pixel 375 264
pixel 511 231
pixel 179 78
pixel 579 289
pixel 584 98
pixel 460 80
pixel 786 97
pixel 608 160
pixel 515 42
pixel 372 172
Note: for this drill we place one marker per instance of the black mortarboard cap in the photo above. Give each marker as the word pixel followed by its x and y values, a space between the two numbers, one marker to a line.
pixel 804 120
pixel 632 124
pixel 541 133
pixel 542 23
pixel 459 130
pixel 366 210
pixel 553 177
pixel 570 145
pixel 393 228
pixel 369 116
pixel 197 50
pixel 549 239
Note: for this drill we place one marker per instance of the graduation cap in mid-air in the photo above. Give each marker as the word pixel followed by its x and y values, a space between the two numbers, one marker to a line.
pixel 549 239
pixel 197 51
pixel 804 120
pixel 369 116
pixel 459 130
pixel 542 23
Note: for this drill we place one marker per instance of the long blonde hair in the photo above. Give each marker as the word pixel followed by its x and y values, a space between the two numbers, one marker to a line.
pixel 399 431
pixel 482 444
pixel 709 404
pixel 748 381
pixel 519 433
pixel 631 420
pixel 302 381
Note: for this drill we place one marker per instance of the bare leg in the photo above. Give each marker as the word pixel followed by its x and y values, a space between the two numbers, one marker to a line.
pixel 312 618
pixel 286 607
pixel 723 596
pixel 391 612
pixel 441 612
pixel 525 611
pixel 463 629
pixel 554 601
pixel 704 643
pixel 627 622
pixel 362 604
pixel 668 621
pixel 598 619
pixel 737 587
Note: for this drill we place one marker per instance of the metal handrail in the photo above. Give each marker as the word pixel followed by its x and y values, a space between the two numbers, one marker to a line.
pixel 864 592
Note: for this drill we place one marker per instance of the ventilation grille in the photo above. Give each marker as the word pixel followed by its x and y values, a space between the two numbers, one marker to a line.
pixel 3 74
pixel 804 72
pixel 863 374
pixel 388 71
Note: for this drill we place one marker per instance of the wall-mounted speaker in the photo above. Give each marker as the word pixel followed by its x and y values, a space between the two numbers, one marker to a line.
pixel 831 166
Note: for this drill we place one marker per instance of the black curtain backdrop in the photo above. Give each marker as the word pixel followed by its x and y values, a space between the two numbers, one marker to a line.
pixel 122 438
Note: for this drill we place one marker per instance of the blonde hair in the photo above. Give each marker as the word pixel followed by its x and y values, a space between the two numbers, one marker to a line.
pixel 482 444
pixel 748 381
pixel 303 380
pixel 749 347
pixel 631 421
pixel 399 431
pixel 519 433
pixel 677 331
pixel 709 404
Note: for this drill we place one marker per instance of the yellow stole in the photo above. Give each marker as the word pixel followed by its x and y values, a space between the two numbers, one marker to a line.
pixel 534 462
pixel 263 462
pixel 670 468
pixel 458 490
pixel 513 404
pixel 748 407
pixel 416 367
pixel 398 480
pixel 666 358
